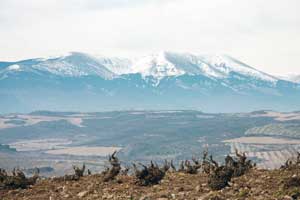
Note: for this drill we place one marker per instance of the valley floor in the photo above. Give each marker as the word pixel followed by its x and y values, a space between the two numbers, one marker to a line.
pixel 256 184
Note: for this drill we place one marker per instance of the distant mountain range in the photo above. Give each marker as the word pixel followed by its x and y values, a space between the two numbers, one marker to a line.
pixel 166 80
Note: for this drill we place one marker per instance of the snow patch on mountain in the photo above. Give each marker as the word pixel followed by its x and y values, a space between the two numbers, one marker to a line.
pixel 223 65
pixel 74 64
pixel 293 78
pixel 58 56
pixel 14 67
pixel 296 79
pixel 117 65
pixel 155 65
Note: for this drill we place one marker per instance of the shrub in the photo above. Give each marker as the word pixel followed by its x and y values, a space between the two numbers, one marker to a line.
pixel 114 170
pixel 17 179
pixel 150 175
pixel 220 176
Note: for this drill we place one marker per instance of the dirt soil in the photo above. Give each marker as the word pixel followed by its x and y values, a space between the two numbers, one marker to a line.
pixel 256 185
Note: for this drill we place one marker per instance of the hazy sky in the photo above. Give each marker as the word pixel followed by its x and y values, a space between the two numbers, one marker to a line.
pixel 262 33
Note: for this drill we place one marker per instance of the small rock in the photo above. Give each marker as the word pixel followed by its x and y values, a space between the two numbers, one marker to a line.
pixel 286 197
pixel 89 187
pixel 82 194
pixel 182 194
pixel 173 196
pixel 294 176
pixel 144 198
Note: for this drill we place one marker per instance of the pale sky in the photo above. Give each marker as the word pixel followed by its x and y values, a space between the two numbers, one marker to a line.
pixel 262 33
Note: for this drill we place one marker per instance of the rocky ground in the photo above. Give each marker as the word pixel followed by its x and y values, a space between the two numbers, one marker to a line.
pixel 255 184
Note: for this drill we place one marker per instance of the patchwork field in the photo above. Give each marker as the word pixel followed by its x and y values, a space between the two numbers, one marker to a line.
pixel 269 151
pixel 61 139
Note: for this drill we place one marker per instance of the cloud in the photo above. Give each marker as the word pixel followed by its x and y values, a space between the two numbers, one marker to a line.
pixel 264 34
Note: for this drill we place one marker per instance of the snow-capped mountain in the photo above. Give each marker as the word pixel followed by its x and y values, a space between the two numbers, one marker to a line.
pixel 73 64
pixel 158 66
pixel 166 64
pixel 164 80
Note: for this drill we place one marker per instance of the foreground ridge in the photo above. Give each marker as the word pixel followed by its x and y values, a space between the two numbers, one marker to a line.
pixel 203 179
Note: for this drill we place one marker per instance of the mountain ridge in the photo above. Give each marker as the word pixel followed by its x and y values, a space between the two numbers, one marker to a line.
pixel 158 65
pixel 165 80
